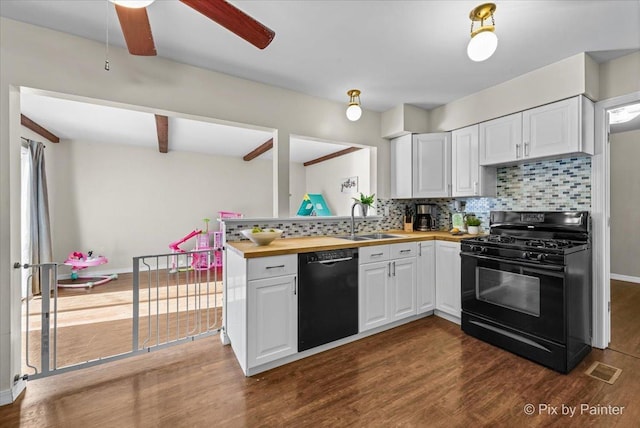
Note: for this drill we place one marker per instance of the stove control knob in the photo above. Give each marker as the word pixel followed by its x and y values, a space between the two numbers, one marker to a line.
pixel 526 255
pixel 541 257
pixel 474 248
pixel 484 250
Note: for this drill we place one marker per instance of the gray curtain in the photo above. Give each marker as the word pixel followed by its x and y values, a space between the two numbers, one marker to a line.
pixel 40 228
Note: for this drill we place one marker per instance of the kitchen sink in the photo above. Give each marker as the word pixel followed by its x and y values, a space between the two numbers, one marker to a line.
pixel 368 237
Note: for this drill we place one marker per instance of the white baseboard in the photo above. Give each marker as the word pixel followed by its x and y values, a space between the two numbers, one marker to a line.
pixel 626 278
pixel 10 395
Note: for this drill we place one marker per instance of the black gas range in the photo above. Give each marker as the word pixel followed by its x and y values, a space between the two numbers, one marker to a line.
pixel 526 286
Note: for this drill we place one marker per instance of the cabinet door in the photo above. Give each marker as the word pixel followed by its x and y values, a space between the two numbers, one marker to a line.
pixel 373 292
pixel 401 149
pixel 552 129
pixel 465 175
pixel 272 319
pixel 432 165
pixel 426 280
pixel 448 292
pixel 501 140
pixel 403 288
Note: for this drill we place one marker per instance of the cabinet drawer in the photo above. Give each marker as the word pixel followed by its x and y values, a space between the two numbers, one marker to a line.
pixel 406 249
pixel 268 267
pixel 376 253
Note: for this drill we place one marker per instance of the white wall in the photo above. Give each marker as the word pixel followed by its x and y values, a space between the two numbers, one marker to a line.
pixel 620 76
pixel 297 186
pixel 124 201
pixel 625 203
pixel 325 177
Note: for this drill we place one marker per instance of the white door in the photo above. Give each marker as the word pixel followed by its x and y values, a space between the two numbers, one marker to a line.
pixel 401 149
pixel 272 319
pixel 403 301
pixel 501 140
pixel 448 292
pixel 426 279
pixel 373 285
pixel 432 165
pixel 464 160
pixel 552 129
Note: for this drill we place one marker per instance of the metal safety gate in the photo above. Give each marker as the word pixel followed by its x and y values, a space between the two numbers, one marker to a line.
pixel 173 298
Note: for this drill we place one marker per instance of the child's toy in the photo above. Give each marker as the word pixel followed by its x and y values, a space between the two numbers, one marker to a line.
pixel 199 261
pixel 78 261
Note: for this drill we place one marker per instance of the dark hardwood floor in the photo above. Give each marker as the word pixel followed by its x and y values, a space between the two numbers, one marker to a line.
pixel 625 317
pixel 423 374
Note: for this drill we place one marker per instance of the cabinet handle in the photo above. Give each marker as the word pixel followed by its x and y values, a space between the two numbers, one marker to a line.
pixel 295 286
pixel 389 269
pixel 475 188
pixel 394 268
pixel 526 147
pixel 274 267
pixel 420 249
pixel 517 150
pixel 377 254
pixel 405 251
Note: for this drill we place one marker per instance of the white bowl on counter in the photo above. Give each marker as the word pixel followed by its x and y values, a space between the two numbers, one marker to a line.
pixel 262 238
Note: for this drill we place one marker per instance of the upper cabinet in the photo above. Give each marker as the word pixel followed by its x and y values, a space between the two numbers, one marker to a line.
pixel 557 129
pixel 421 166
pixel 467 176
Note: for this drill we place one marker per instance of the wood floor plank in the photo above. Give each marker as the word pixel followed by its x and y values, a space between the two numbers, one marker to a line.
pixel 426 373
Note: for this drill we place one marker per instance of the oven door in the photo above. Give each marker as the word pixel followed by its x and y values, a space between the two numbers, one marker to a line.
pixel 524 296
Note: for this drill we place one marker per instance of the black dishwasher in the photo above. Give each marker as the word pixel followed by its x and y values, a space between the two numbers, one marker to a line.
pixel 327 296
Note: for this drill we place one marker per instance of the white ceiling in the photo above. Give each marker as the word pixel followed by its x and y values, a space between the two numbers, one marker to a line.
pixel 394 51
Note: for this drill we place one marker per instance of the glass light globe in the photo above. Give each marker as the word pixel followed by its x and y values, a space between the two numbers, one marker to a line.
pixel 134 4
pixel 354 112
pixel 482 45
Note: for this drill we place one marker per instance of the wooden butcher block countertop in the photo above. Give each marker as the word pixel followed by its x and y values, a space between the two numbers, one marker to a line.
pixel 307 244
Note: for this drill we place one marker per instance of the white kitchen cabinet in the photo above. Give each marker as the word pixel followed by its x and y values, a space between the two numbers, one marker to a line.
pixel 272 319
pixel 467 176
pixel 401 176
pixel 373 292
pixel 501 140
pixel 426 280
pixel 431 165
pixel 261 308
pixel 448 287
pixel 421 166
pixel 558 129
pixel 386 287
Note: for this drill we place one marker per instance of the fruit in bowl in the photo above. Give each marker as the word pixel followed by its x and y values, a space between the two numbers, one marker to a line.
pixel 261 236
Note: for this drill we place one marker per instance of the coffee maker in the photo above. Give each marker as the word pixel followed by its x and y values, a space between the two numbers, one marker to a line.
pixel 426 218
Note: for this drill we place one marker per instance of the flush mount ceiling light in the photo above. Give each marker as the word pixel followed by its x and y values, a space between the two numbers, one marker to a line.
pixel 134 4
pixel 354 111
pixel 483 41
pixel 624 114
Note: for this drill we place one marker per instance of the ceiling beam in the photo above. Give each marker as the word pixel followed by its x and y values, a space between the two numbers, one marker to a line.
pixel 162 126
pixel 30 124
pixel 332 155
pixel 263 148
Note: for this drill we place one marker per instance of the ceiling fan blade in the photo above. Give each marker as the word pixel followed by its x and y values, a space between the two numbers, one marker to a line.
pixel 234 20
pixel 137 30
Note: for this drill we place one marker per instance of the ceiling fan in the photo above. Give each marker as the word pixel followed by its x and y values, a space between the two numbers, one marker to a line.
pixel 137 29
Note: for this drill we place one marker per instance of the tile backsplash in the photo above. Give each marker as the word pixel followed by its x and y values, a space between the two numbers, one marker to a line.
pixel 553 185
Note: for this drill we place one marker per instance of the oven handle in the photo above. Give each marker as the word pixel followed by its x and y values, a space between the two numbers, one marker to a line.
pixel 554 268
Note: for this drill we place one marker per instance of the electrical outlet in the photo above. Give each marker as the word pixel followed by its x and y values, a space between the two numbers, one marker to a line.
pixel 386 211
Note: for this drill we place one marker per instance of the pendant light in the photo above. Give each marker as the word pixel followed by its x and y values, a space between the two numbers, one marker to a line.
pixel 134 4
pixel 354 111
pixel 483 41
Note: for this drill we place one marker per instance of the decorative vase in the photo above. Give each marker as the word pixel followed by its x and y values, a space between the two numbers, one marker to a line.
pixel 365 209
pixel 473 230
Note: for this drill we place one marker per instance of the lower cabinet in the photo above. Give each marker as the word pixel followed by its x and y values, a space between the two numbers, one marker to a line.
pixel 272 319
pixel 448 292
pixel 386 288
pixel 426 283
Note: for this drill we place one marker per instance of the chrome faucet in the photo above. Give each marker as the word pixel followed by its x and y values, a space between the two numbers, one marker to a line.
pixel 353 221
